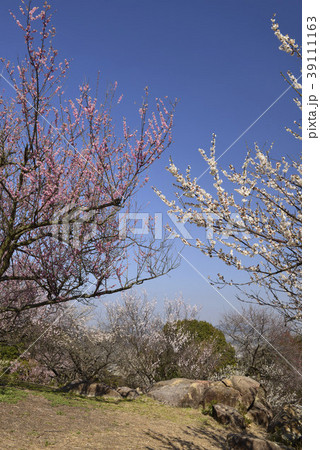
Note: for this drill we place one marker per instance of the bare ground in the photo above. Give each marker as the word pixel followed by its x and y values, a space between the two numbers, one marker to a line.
pixel 35 420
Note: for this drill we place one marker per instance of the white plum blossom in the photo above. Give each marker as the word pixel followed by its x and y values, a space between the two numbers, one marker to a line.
pixel 265 240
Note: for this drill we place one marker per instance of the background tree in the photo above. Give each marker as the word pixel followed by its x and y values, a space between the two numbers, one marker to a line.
pixel 74 350
pixel 64 176
pixel 138 330
pixel 58 345
pixel 268 351
pixel 133 344
pixel 255 229
pixel 153 346
pixel 204 351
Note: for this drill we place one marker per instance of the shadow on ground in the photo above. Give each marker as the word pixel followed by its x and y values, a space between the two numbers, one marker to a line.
pixel 210 440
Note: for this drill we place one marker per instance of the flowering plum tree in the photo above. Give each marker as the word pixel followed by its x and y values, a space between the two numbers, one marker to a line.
pixel 257 228
pixel 140 337
pixel 133 343
pixel 255 342
pixel 152 347
pixel 64 176
pixel 71 349
pixel 205 350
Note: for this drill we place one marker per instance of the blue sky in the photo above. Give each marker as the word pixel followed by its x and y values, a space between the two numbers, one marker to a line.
pixel 220 58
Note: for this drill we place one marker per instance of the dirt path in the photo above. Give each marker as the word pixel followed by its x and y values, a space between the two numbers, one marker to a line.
pixel 42 420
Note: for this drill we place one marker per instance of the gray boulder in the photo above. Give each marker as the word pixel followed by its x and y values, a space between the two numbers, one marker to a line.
pixel 260 414
pixel 127 392
pixel 218 392
pixel 180 392
pixel 91 390
pixel 111 394
pixel 244 442
pixel 286 426
pixel 227 415
pixel 237 392
pixel 247 387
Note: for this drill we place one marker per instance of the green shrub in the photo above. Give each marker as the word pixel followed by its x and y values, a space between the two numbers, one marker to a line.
pixel 204 332
pixel 10 352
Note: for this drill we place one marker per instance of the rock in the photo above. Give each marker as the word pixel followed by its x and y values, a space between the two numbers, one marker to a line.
pixel 133 394
pixel 286 427
pixel 247 387
pixel 228 416
pixel 218 392
pixel 111 394
pixel 180 392
pixel 237 392
pixel 243 442
pixel 92 390
pixel 260 414
pixel 127 392
pixel 226 382
pixel 262 395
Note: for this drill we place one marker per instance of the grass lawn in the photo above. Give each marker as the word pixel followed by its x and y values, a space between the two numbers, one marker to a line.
pixel 34 418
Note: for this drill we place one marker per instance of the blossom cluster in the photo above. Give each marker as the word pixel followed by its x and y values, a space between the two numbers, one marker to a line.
pixel 59 156
pixel 261 215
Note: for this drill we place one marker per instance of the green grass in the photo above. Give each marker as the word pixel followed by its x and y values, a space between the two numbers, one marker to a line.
pixel 146 406
pixel 142 405
pixel 60 399
pixel 11 395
